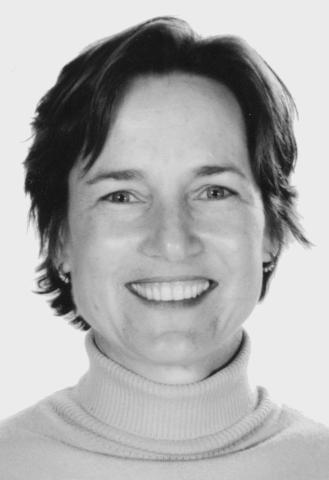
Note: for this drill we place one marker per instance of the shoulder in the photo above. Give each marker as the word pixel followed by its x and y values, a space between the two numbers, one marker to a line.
pixel 298 444
pixel 15 427
pixel 17 443
pixel 300 427
pixel 27 443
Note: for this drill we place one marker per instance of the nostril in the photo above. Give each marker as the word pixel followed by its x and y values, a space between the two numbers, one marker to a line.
pixel 172 244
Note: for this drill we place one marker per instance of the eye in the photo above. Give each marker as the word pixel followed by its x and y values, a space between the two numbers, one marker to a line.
pixel 120 196
pixel 216 192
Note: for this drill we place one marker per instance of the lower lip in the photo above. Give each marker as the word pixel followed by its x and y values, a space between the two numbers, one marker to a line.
pixel 187 302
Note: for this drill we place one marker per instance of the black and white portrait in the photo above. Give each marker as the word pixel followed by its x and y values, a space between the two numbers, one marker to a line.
pixel 164 241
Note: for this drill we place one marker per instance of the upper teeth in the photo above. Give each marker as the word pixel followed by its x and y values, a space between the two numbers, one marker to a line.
pixel 168 291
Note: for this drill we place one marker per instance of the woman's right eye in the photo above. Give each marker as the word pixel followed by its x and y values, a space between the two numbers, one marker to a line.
pixel 120 196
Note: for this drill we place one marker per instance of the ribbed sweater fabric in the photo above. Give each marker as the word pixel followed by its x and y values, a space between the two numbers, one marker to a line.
pixel 117 425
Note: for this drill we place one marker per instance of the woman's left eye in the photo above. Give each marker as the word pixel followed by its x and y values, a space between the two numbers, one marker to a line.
pixel 216 192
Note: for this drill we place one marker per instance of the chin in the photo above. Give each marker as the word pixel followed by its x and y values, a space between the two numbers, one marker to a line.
pixel 172 347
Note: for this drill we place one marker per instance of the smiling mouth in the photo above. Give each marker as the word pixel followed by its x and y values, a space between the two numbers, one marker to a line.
pixel 171 292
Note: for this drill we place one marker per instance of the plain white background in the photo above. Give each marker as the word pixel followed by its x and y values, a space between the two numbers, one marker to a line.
pixel 40 353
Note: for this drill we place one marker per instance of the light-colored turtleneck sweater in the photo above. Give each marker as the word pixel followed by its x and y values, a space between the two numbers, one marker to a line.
pixel 117 425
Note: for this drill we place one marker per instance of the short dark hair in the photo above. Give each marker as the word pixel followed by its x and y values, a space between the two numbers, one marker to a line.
pixel 73 119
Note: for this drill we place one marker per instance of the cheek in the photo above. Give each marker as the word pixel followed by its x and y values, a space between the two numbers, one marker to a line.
pixel 97 260
pixel 96 242
pixel 237 245
pixel 237 233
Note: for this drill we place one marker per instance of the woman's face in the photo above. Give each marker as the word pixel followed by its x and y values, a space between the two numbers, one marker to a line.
pixel 169 209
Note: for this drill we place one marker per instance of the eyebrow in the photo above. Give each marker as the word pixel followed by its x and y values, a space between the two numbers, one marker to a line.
pixel 207 170
pixel 133 174
pixel 130 174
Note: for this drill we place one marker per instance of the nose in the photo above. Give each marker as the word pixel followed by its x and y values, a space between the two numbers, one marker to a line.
pixel 170 236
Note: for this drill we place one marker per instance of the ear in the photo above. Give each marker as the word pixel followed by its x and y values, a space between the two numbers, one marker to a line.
pixel 271 247
pixel 62 255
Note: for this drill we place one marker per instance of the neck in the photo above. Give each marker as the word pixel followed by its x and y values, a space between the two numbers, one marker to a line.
pixel 174 372
pixel 136 405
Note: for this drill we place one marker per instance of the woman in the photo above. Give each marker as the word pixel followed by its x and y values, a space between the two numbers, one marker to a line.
pixel 159 180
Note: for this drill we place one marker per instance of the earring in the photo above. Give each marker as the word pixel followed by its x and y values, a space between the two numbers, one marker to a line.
pixel 65 277
pixel 268 267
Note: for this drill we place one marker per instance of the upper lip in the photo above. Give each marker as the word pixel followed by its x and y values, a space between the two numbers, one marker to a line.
pixel 183 278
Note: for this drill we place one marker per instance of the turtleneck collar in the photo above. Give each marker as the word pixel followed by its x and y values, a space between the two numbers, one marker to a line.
pixel 136 405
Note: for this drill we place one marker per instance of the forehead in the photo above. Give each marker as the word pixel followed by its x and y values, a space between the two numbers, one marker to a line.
pixel 177 100
pixel 180 118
